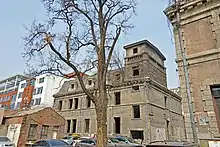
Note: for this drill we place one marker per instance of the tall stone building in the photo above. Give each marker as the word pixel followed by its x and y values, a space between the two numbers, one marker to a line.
pixel 139 104
pixel 200 27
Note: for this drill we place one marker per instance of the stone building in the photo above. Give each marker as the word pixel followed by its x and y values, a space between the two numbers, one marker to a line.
pixel 139 104
pixel 200 27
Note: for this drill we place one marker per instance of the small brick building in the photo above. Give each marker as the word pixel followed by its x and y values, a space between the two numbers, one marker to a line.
pixel 25 127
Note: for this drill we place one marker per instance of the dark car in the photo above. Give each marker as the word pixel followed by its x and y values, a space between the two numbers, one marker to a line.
pixel 51 143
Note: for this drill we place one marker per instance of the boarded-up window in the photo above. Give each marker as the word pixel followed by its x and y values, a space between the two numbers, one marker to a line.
pixel 135 134
pixel 87 125
pixel 44 132
pixel 32 131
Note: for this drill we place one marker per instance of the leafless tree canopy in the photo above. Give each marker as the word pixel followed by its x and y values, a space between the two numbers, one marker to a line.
pixel 79 36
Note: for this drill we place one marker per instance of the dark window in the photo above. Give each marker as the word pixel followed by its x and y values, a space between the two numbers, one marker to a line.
pixel 72 86
pixel 37 102
pixel 4 139
pixel 76 103
pixel 118 77
pixel 23 85
pixel 44 132
pixel 87 121
pixel 60 105
pixel 39 90
pixel 68 126
pixel 32 131
pixel 41 80
pixel 135 50
pixel 136 111
pixel 117 125
pixel 135 72
pixel 34 92
pixel 20 94
pixel 90 82
pixel 88 102
pixel 167 129
pixel 135 88
pixel 117 98
pixel 216 97
pixel 137 134
pixel 70 103
pixel 32 102
pixel 165 101
pixel 74 126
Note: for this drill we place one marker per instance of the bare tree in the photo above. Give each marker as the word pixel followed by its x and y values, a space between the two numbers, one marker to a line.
pixel 80 35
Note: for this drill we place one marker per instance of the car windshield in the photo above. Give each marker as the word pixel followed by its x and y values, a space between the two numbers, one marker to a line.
pixel 57 143
pixel 131 140
pixel 114 140
pixel 67 137
pixel 3 139
pixel 122 139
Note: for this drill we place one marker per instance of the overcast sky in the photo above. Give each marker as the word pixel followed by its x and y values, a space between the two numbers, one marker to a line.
pixel 150 23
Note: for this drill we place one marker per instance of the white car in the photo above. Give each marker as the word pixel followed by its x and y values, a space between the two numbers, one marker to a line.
pixel 6 142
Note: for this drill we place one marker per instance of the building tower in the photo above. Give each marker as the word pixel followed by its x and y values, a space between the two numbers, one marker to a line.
pixel 199 24
pixel 142 60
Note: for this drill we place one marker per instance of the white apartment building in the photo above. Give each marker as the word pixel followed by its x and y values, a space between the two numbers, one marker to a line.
pixel 44 86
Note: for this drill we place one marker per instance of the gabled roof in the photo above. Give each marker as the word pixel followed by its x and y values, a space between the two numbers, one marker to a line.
pixel 147 43
pixel 17 113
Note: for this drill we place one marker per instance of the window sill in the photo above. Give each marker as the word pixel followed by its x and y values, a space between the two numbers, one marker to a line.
pixel 136 118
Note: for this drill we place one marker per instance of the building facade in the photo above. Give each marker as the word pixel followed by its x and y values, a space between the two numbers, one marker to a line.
pixel 139 103
pixel 200 29
pixel 8 90
pixel 38 91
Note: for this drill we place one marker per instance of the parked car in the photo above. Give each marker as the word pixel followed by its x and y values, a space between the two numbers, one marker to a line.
pixel 5 141
pixel 128 140
pixel 51 143
pixel 112 142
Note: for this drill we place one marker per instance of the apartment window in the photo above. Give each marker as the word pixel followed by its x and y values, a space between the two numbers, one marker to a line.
pixel 39 90
pixel 136 111
pixel 135 50
pixel 135 88
pixel 68 126
pixel 34 91
pixel 165 101
pixel 37 102
pixel 32 131
pixel 87 121
pixel 117 98
pixel 32 83
pixel 41 80
pixel 23 85
pixel 136 134
pixel 135 71
pixel 44 132
pixel 20 94
pixel 60 105
pixel 89 82
pixel 88 101
pixel 32 102
pixel 70 103
pixel 74 126
pixel 117 125
pixel 76 103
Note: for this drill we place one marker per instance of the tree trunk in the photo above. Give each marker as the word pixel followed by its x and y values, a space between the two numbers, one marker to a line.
pixel 101 114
